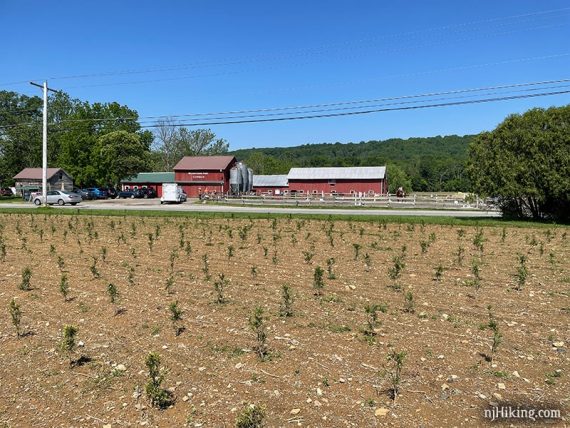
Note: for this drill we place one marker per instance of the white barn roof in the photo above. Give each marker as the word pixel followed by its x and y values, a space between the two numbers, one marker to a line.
pixel 270 181
pixel 338 173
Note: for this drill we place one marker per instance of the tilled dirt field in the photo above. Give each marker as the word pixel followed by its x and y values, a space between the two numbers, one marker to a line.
pixel 323 368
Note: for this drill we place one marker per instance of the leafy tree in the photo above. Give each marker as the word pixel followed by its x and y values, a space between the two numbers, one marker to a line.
pixel 120 154
pixel 174 142
pixel 525 163
pixel 397 177
pixel 20 133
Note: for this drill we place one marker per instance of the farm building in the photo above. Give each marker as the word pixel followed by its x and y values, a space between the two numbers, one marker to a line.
pixel 204 174
pixel 364 180
pixel 270 185
pixel 30 179
pixel 148 179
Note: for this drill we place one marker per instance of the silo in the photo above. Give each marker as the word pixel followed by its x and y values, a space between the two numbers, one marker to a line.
pixel 235 180
pixel 244 177
pixel 249 179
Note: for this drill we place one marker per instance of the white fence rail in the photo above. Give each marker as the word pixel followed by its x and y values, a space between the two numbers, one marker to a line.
pixel 390 201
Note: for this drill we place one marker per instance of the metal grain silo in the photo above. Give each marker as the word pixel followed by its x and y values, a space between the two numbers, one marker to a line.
pixel 244 176
pixel 235 180
pixel 249 179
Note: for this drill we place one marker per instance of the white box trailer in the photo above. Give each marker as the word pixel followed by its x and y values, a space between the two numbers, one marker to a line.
pixel 172 193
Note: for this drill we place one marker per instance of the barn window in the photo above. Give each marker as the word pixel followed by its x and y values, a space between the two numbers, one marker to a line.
pixel 61 175
pixel 352 192
pixel 315 192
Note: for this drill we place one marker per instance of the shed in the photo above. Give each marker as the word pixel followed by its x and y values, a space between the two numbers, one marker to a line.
pixel 270 184
pixel 31 179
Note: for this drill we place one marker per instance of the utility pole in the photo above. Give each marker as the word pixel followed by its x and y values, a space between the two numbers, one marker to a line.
pixel 45 89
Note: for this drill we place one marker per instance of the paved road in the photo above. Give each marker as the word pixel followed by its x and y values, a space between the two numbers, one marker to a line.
pixel 114 204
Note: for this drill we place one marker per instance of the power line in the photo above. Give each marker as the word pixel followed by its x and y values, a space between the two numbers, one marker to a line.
pixel 304 116
pixel 366 111
pixel 334 104
pixel 514 60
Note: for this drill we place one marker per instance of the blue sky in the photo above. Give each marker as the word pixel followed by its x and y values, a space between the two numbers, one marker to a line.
pixel 210 56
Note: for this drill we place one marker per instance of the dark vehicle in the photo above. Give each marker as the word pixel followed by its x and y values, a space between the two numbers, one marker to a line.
pixel 147 192
pixel 87 195
pixel 6 192
pixel 99 193
pixel 111 192
pixel 124 194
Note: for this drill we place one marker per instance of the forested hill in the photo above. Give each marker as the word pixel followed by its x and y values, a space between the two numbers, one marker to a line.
pixel 421 164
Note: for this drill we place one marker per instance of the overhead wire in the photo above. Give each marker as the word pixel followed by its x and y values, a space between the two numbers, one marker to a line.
pixel 339 109
pixel 333 104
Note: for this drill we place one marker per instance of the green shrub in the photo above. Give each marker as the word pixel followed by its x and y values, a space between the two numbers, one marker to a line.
pixel 257 325
pixel 64 286
pixel 318 282
pixel 26 277
pixel 16 315
pixel 251 416
pixel 395 372
pixel 158 396
pixel 286 308
pixel 68 343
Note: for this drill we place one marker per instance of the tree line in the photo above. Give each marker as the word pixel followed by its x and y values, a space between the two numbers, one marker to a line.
pixel 434 164
pixel 96 143
pixel 524 164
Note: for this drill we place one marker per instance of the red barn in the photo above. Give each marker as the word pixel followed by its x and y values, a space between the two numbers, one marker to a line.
pixel 204 174
pixel 366 180
pixel 270 184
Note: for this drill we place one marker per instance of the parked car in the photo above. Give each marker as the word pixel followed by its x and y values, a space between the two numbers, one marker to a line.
pixel 99 193
pixel 87 194
pixel 58 197
pixel 111 192
pixel 6 192
pixel 124 194
pixel 148 192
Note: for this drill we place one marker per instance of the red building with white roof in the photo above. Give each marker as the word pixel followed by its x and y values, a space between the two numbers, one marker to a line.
pixel 270 185
pixel 204 174
pixel 364 180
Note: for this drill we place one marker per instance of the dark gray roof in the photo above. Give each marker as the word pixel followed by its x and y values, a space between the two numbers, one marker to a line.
pixel 270 181
pixel 338 173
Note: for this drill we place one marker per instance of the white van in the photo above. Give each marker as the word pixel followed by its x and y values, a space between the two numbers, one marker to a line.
pixel 172 193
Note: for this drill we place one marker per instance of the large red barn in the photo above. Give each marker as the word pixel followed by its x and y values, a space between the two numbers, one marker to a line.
pixel 204 174
pixel 362 180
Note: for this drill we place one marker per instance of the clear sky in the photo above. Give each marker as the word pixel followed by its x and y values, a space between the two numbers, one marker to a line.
pixel 200 56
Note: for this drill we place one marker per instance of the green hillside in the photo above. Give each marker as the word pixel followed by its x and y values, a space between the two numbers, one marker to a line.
pixel 424 164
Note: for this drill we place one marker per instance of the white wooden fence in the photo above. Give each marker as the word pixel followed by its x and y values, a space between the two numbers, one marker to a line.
pixel 385 201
